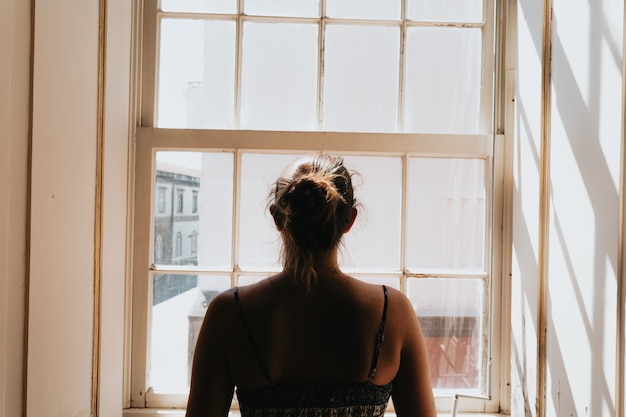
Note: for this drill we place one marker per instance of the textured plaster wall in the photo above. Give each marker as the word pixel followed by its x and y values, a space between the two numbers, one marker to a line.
pixel 585 117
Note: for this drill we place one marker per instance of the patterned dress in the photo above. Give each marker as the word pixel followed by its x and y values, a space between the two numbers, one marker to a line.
pixel 333 400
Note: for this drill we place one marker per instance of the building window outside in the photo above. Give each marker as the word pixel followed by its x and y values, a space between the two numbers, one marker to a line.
pixel 179 245
pixel 194 242
pixel 194 202
pixel 161 200
pixel 158 248
pixel 180 199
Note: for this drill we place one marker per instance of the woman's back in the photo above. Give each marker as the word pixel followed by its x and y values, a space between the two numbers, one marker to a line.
pixel 311 341
pixel 327 335
pixel 319 367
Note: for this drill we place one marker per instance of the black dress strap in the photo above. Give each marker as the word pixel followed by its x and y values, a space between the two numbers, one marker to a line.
pixel 262 365
pixel 379 338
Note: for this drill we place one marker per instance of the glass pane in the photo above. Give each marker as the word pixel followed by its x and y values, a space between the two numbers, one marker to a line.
pixel 363 9
pixel 279 76
pixel 445 10
pixel 294 8
pixel 179 304
pixel 443 80
pixel 361 78
pixel 200 6
pixel 196 84
pixel 251 279
pixel 373 243
pixel 193 209
pixel 378 280
pixel 446 214
pixel 259 241
pixel 451 314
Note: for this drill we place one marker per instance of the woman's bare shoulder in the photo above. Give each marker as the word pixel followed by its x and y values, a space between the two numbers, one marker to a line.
pixel 399 301
pixel 228 302
pixel 221 311
pixel 401 316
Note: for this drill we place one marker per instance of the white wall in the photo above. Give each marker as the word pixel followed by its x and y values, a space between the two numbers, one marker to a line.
pixel 14 128
pixel 47 247
pixel 60 322
pixel 526 171
pixel 117 198
pixel 584 177
pixel 584 225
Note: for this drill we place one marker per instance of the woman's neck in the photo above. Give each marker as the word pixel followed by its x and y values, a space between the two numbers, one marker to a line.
pixel 326 262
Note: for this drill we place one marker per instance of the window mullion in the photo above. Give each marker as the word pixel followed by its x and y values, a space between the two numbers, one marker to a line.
pixel 236 218
pixel 142 296
pixel 149 59
pixel 488 50
pixel 401 66
pixel 320 65
pixel 404 226
pixel 238 69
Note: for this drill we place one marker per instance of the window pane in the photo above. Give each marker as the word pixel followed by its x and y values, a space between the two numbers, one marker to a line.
pixel 363 9
pixel 184 236
pixel 279 76
pixel 251 279
pixel 361 78
pixel 259 241
pixel 443 80
pixel 446 214
pixel 379 280
pixel 196 85
pixel 179 304
pixel 446 10
pixel 450 313
pixel 373 243
pixel 200 6
pixel 296 8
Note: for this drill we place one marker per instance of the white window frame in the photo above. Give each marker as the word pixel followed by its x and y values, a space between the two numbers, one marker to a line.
pixel 149 140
